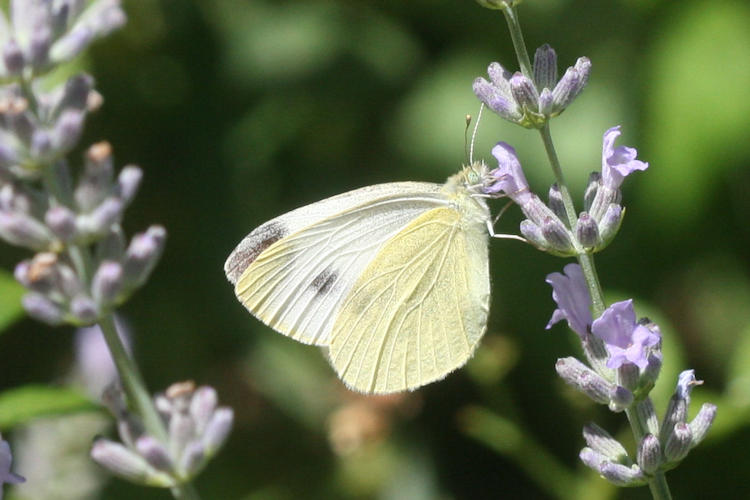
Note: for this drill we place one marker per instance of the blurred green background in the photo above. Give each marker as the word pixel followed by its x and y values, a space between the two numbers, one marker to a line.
pixel 241 110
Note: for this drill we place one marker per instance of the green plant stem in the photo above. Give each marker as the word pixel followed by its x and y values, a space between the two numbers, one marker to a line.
pixel 658 483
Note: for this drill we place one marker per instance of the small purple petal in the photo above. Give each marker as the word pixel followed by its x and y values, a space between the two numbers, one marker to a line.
pixel 573 299
pixel 626 340
pixel 619 162
pixel 508 175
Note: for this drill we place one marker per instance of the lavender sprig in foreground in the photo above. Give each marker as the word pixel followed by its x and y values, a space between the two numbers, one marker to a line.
pixel 624 355
pixel 83 267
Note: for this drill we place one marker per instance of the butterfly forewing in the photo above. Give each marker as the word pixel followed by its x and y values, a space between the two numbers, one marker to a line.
pixel 419 309
pixel 295 271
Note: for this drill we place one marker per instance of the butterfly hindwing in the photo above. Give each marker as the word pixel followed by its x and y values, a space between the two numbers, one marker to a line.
pixel 294 272
pixel 419 309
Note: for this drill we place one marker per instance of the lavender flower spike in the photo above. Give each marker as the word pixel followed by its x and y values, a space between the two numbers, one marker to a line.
pixel 573 299
pixel 626 340
pixel 6 459
pixel 619 162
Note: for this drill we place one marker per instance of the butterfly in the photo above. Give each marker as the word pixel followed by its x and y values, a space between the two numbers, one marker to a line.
pixel 393 278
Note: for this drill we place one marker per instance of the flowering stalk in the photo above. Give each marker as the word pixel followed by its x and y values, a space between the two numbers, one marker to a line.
pixel 624 354
pixel 83 267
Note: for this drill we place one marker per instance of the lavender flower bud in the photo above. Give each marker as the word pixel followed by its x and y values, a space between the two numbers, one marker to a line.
pixel 649 454
pixel 72 44
pixel 702 423
pixel 587 231
pixel 591 458
pixel 557 236
pixel 41 39
pixel 155 453
pixel 652 370
pixel 647 414
pixel 622 475
pixel 571 84
pixel 41 144
pixel 202 407
pixel 620 399
pixel 127 464
pixel 609 224
pixel 128 182
pixel 84 309
pixel 678 443
pixel 97 177
pixel 218 429
pixel 192 458
pixel 13 57
pixel 524 92
pixel 76 92
pixel 678 404
pixel 604 444
pixel 142 255
pixel 101 219
pixel 181 430
pixel 533 233
pixel 591 188
pixel 586 380
pixel 8 153
pixel 21 229
pixel 546 102
pixel 545 67
pixel 62 222
pixel 628 375
pixel 556 202
pixel 500 102
pixel 68 130
pixel 107 283
pixel 41 308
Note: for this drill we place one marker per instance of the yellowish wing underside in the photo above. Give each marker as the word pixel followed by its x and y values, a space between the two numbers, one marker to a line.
pixel 418 310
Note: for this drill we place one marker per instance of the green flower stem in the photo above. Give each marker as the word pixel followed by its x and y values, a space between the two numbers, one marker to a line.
pixel 658 483
pixel 516 34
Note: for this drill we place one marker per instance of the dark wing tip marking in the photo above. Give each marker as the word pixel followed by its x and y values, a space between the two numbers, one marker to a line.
pixel 253 245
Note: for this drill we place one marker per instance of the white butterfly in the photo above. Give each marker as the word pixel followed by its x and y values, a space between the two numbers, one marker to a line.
pixel 392 278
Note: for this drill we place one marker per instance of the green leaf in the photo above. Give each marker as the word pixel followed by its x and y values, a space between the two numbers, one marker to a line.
pixel 10 299
pixel 22 404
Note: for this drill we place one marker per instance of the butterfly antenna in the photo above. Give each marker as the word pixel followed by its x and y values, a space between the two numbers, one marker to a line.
pixel 474 134
pixel 466 137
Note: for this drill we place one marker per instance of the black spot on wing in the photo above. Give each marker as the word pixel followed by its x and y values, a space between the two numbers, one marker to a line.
pixel 324 281
pixel 252 246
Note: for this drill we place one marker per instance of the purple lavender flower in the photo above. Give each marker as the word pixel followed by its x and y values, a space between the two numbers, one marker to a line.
pixel 6 459
pixel 619 162
pixel 573 299
pixel 625 339
pixel 508 177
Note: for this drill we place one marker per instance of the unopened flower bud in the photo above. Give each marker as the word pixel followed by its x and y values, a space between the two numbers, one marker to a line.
pixel 84 309
pixel 679 442
pixel 586 380
pixel 192 458
pixel 128 182
pixel 155 453
pixel 678 404
pixel 591 189
pixel 558 236
pixel 218 429
pixel 100 220
pixel 202 406
pixel 571 84
pixel 127 464
pixel 21 229
pixel 620 399
pixel 587 232
pixel 603 443
pixel 41 144
pixel 609 224
pixel 647 414
pixel 524 92
pixel 702 422
pixel 142 254
pixel 76 92
pixel 41 308
pixel 41 37
pixel 107 283
pixel 649 454
pixel 556 202
pixel 545 67
pixel 533 233
pixel 68 129
pixel 62 222
pixel 13 57
pixel 71 44
pixel 97 177
pixel 622 475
